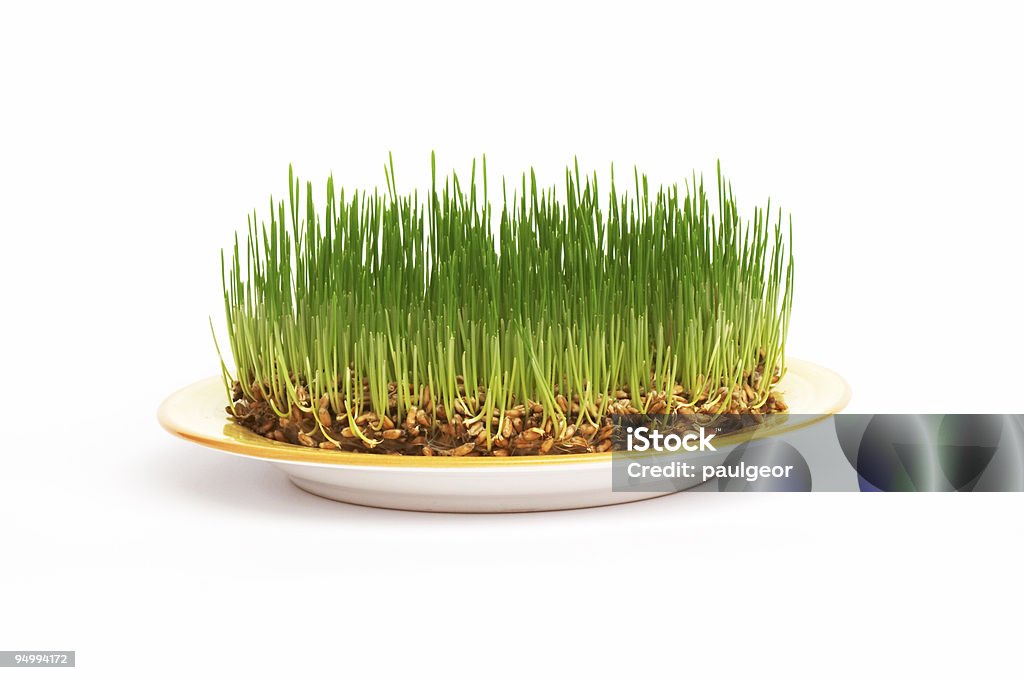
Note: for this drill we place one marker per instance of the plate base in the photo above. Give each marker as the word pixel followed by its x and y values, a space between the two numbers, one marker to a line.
pixel 466 503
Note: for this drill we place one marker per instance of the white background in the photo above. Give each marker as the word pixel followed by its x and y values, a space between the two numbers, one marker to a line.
pixel 135 140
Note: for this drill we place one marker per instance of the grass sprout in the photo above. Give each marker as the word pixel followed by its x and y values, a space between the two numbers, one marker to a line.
pixel 450 326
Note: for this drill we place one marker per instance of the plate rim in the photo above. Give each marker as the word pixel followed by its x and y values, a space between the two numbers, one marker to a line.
pixel 170 419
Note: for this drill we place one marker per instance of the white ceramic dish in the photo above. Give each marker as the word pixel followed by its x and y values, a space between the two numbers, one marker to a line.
pixel 448 484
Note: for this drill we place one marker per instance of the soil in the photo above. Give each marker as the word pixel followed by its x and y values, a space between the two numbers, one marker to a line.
pixel 519 431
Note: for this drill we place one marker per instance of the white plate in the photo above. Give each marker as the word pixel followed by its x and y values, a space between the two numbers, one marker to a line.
pixel 450 484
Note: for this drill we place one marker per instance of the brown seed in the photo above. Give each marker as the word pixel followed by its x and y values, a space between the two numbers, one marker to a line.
pixel 501 453
pixel 562 403
pixel 475 429
pixel 325 417
pixel 569 432
pixel 604 445
pixel 533 434
pixel 506 429
pixel 306 440
pixel 586 429
pixel 516 412
pixel 464 450
pixel 546 445
pixel 348 433
pixel 386 423
pixel 331 446
pixel 410 417
pixel 427 451
pixel 422 418
pixel 392 434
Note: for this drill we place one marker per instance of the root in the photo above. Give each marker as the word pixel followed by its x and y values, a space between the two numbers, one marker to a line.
pixel 523 430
